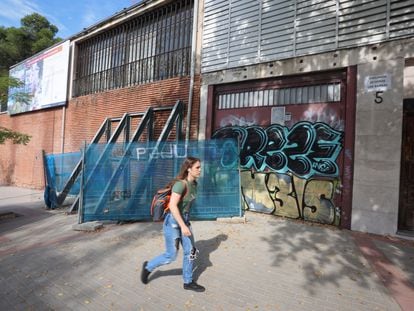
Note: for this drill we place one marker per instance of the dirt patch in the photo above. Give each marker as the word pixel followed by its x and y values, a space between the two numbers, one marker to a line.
pixel 8 215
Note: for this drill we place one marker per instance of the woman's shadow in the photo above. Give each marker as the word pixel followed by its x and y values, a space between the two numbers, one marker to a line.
pixel 206 247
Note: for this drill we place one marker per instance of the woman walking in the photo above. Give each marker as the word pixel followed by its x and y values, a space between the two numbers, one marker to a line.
pixel 177 227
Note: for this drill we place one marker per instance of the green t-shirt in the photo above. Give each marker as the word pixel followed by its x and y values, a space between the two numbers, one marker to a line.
pixel 189 195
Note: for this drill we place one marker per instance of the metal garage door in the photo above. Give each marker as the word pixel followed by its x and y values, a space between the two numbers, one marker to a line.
pixel 293 133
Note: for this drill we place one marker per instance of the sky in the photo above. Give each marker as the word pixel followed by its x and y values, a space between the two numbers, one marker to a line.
pixel 69 16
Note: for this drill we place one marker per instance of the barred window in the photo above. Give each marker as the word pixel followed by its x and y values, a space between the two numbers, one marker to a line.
pixel 329 93
pixel 150 47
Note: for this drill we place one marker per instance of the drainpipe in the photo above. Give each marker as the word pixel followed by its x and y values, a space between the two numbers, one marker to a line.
pixel 62 147
pixel 192 70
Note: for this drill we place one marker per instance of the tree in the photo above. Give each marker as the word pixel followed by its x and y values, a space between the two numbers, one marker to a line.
pixel 7 82
pixel 15 137
pixel 40 33
pixel 5 133
pixel 16 44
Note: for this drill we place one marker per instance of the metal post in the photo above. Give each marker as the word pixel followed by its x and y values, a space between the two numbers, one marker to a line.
pixel 82 176
pixel 239 169
pixel 192 69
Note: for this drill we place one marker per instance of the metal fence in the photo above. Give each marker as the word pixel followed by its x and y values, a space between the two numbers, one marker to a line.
pixel 58 169
pixel 121 187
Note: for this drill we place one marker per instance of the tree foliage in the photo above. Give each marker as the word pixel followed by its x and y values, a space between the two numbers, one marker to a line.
pixel 15 137
pixel 40 32
pixel 7 82
pixel 16 44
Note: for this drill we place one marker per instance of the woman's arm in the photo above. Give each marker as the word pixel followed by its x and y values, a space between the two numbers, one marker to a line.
pixel 174 199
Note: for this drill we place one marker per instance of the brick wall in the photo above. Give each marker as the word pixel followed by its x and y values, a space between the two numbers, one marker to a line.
pixel 23 165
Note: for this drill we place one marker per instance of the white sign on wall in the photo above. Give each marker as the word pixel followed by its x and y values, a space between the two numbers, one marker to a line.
pixel 378 83
pixel 278 115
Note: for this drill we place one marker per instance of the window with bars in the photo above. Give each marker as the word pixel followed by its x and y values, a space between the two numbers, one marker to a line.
pixel 150 47
pixel 322 93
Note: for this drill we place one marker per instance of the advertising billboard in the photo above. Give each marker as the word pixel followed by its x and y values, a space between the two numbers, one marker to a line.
pixel 44 80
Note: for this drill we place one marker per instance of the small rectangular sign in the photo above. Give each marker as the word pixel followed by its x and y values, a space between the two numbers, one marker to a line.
pixel 278 115
pixel 377 83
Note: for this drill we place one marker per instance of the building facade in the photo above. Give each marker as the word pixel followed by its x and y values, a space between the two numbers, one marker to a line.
pixel 318 93
pixel 139 58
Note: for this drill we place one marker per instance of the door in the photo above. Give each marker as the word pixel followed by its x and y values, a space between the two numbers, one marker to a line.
pixel 292 133
pixel 406 208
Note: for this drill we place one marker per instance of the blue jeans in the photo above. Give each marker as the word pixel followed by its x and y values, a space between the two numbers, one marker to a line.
pixel 172 237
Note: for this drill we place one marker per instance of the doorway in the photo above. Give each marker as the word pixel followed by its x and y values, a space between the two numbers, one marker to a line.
pixel 406 203
pixel 293 132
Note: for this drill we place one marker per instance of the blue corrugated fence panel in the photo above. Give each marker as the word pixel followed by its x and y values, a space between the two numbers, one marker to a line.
pixel 120 180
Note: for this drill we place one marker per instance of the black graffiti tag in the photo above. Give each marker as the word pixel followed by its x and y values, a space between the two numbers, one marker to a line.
pixel 307 149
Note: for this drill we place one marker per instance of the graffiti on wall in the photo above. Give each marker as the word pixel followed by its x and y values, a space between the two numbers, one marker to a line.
pixel 289 172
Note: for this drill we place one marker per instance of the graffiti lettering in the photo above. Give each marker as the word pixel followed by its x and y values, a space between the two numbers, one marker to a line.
pixel 229 158
pixel 290 196
pixel 120 194
pixel 306 149
pixel 170 151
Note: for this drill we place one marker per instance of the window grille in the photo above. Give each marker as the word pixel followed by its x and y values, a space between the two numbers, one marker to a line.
pixel 150 47
pixel 323 93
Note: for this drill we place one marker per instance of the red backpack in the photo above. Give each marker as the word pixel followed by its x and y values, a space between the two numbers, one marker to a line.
pixel 160 202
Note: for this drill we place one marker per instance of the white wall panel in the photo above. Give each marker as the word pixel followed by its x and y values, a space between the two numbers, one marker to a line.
pixel 401 18
pixel 243 32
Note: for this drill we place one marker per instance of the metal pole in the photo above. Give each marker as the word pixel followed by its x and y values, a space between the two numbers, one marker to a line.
pixel 192 69
pixel 82 175
pixel 239 169
pixel 62 147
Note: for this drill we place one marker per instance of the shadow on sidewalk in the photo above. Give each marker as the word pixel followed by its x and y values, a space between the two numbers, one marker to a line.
pixel 202 262
pixel 23 216
pixel 206 247
pixel 325 254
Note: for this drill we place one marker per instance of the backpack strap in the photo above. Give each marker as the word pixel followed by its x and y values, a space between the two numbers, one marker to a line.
pixel 167 210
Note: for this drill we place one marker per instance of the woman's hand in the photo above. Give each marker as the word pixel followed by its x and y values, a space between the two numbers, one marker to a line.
pixel 185 230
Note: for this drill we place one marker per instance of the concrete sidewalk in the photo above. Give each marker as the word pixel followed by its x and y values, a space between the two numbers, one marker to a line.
pixel 267 263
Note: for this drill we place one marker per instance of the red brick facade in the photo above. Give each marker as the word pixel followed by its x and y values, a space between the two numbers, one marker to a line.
pixel 23 165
